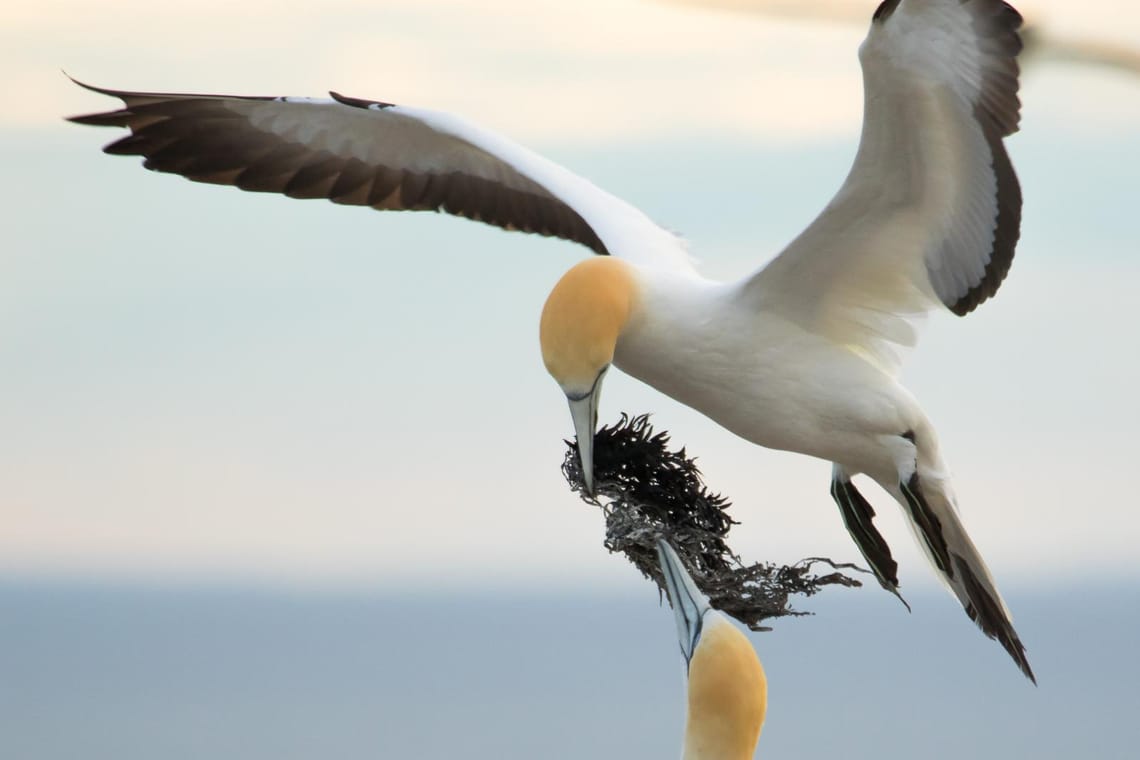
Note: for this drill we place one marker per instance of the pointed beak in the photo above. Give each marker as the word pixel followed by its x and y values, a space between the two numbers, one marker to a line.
pixel 584 411
pixel 689 604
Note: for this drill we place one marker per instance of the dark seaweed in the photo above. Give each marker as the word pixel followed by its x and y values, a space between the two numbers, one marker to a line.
pixel 646 491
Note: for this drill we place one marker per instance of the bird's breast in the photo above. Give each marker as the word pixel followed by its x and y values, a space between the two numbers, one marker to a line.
pixel 759 376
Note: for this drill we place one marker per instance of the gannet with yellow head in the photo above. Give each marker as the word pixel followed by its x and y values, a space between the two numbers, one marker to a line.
pixel 727 689
pixel 583 318
pixel 799 355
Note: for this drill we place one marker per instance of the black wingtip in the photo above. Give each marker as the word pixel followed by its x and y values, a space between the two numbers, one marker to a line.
pixel 103 118
pixel 106 119
pixel 74 80
pixel 91 87
pixel 358 102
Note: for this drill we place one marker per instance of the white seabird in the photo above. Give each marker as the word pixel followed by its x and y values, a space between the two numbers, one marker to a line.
pixel 802 355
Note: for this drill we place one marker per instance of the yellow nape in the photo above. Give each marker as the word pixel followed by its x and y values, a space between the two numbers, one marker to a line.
pixel 582 319
pixel 728 695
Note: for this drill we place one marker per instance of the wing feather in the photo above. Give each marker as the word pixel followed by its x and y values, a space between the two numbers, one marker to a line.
pixel 930 212
pixel 370 153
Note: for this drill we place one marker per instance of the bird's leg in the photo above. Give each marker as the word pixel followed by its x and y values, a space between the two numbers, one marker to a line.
pixel 857 515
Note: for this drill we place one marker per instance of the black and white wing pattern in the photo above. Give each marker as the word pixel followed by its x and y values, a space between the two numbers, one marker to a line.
pixel 370 153
pixel 930 212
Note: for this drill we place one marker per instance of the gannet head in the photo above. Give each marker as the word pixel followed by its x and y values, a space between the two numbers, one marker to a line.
pixel 728 692
pixel 581 322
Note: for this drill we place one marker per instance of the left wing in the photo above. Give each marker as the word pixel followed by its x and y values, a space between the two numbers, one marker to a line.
pixel 370 153
pixel 931 211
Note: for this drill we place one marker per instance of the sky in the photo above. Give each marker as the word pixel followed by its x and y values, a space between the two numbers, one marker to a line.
pixel 201 383
pixel 204 392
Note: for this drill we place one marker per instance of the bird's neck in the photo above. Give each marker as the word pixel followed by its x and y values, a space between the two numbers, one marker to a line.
pixel 728 695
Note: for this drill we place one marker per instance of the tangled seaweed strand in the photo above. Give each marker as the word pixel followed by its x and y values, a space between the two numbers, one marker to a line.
pixel 651 491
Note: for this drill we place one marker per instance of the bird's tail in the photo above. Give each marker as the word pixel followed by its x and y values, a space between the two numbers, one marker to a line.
pixel 929 502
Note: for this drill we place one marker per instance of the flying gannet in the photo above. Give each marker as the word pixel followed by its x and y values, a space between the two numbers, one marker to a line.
pixel 727 690
pixel 803 354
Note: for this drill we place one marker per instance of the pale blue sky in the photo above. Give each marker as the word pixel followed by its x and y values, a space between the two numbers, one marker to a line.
pixel 203 387
pixel 198 381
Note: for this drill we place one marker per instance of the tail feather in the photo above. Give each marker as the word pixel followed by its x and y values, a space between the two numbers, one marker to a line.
pixel 988 612
pixel 927 523
pixel 930 506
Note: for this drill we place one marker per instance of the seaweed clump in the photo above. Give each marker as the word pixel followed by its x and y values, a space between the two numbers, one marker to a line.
pixel 648 491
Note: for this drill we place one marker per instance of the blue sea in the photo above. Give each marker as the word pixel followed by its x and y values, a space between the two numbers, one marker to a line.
pixel 115 671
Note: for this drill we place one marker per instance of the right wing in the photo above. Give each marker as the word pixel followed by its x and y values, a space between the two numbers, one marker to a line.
pixel 929 215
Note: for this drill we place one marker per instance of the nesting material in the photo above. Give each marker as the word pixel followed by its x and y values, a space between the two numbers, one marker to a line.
pixel 646 491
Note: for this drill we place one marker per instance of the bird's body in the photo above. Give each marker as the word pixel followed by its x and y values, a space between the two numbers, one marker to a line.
pixel 759 375
pixel 801 355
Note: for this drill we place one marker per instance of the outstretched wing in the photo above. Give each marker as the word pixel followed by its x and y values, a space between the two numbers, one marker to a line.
pixel 369 153
pixel 931 211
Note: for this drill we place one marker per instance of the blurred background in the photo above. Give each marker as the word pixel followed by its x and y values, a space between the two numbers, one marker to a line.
pixel 281 479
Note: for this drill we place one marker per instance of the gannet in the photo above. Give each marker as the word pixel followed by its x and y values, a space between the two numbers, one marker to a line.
pixel 801 355
pixel 727 689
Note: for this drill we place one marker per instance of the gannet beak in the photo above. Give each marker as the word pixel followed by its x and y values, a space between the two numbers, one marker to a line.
pixel 689 604
pixel 584 411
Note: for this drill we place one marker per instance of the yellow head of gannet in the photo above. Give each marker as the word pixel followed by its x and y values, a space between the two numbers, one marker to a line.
pixel 581 322
pixel 728 692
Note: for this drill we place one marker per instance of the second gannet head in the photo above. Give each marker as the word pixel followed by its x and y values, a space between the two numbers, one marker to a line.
pixel 728 692
pixel 581 322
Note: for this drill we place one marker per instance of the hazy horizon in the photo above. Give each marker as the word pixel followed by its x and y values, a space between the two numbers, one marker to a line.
pixel 134 673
